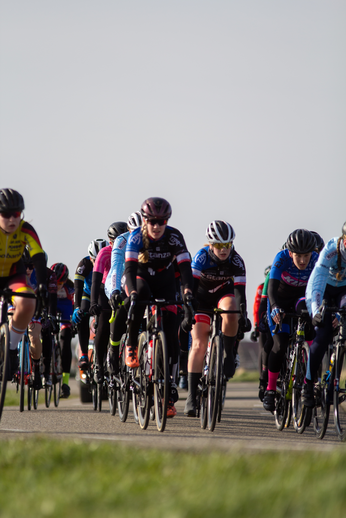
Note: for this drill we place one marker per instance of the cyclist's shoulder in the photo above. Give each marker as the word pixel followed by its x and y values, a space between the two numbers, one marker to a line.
pixel 121 241
pixel 201 258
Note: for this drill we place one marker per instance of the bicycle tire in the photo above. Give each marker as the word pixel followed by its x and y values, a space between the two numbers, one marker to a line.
pixel 4 363
pixel 340 394
pixel 99 396
pixel 134 406
pixel 112 396
pixel 161 379
pixel 22 375
pixel 123 397
pixel 300 412
pixel 57 372
pixel 94 395
pixel 47 395
pixel 143 402
pixel 281 403
pixel 214 382
pixel 203 397
pixel 35 394
pixel 30 395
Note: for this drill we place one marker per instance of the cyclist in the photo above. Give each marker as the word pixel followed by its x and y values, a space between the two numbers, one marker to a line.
pixel 15 234
pixel 65 294
pixel 149 270
pixel 262 332
pixel 288 278
pixel 99 305
pixel 327 282
pixel 116 294
pixel 82 291
pixel 35 329
pixel 219 281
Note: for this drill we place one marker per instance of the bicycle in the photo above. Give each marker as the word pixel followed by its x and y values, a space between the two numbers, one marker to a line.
pixel 24 375
pixel 55 370
pixel 332 387
pixel 6 300
pixel 291 377
pixel 212 388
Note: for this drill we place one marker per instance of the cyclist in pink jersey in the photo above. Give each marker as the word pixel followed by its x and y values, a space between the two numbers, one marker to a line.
pixel 99 305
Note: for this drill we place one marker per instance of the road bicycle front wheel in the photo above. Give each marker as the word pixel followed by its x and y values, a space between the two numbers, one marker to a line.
pixel 214 382
pixel 4 363
pixel 112 396
pixel 57 373
pixel 301 414
pixel 123 398
pixel 340 394
pixel 161 388
pixel 143 401
pixel 281 402
pixel 203 397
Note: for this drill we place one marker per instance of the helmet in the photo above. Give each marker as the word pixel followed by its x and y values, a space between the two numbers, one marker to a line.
pixel 153 208
pixel 134 220
pixel 343 230
pixel 220 232
pixel 267 270
pixel 95 246
pixel 10 200
pixel 61 271
pixel 115 229
pixel 319 241
pixel 301 241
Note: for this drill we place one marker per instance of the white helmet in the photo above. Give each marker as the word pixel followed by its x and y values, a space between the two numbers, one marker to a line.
pixel 135 220
pixel 95 246
pixel 220 232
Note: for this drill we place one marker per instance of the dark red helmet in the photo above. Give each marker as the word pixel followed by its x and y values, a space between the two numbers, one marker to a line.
pixel 61 271
pixel 156 208
pixel 10 200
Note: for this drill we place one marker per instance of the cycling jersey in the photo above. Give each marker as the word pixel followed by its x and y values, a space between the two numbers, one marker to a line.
pixel 161 256
pixel 12 248
pixel 82 279
pixel 286 281
pixel 211 276
pixel 325 273
pixel 113 281
pixel 256 304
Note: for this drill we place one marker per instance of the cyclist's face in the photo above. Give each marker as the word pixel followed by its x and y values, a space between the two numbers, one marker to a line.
pixel 155 231
pixel 9 225
pixel 300 260
pixel 222 253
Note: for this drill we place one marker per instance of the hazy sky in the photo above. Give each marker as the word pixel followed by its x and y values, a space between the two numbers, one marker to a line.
pixel 230 109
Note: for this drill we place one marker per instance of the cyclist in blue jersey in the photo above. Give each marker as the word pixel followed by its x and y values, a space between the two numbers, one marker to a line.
pixel 219 281
pixel 82 287
pixel 327 282
pixel 114 289
pixel 288 278
pixel 150 253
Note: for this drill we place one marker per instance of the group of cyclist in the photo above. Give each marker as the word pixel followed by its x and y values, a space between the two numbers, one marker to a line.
pixel 144 258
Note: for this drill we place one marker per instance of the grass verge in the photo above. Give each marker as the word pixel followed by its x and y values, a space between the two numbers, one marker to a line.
pixel 46 478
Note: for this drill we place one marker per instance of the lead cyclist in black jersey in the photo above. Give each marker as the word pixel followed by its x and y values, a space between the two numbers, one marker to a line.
pixel 149 270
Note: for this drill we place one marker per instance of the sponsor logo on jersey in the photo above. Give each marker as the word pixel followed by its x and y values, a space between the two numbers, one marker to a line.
pixel 80 269
pixel 122 244
pixel 292 281
pixel 174 240
pixel 136 239
pixel 237 261
pixel 159 255
pixel 331 255
pixel 201 259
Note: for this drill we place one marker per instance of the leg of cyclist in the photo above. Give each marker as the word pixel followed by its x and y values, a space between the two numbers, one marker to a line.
pixel 229 332
pixel 83 337
pixel 200 334
pixel 117 329
pixel 102 336
pixel 66 358
pixel 34 332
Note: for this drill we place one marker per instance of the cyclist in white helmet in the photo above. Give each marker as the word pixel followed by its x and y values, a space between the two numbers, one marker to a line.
pixel 219 281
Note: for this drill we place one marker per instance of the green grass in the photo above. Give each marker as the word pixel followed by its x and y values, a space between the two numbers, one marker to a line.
pixel 243 375
pixel 45 478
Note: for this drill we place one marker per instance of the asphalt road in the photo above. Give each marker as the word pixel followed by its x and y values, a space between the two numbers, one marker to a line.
pixel 245 425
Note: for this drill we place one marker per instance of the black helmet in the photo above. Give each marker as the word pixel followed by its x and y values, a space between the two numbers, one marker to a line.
pixel 115 229
pixel 301 241
pixel 10 200
pixel 319 241
pixel 156 208
pixel 61 271
pixel 220 232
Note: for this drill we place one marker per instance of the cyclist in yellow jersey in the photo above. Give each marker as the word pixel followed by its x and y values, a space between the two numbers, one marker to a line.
pixel 15 234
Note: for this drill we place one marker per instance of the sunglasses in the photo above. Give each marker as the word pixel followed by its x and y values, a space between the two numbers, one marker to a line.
pixel 159 222
pixel 12 214
pixel 220 246
pixel 29 266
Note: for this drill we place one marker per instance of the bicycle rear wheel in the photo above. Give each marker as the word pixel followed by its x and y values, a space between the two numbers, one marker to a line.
pixel 214 382
pixel 301 414
pixel 123 397
pixel 4 363
pixel 161 381
pixel 340 394
pixel 143 402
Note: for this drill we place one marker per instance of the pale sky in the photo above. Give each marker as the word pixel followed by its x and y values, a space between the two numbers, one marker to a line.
pixel 230 109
